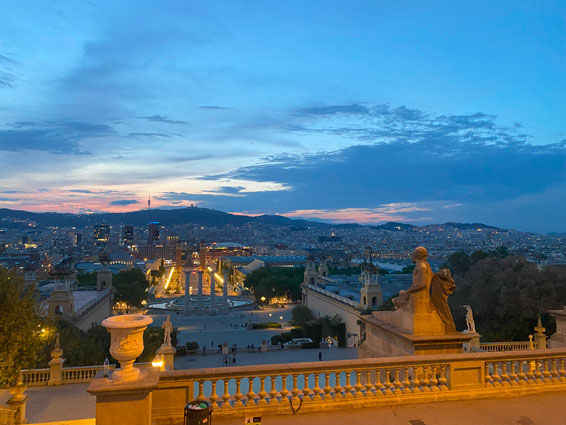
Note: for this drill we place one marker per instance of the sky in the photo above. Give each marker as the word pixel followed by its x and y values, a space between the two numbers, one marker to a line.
pixel 340 111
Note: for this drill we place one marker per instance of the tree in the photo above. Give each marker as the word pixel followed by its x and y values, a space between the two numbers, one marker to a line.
pixel 300 315
pixel 20 326
pixel 131 287
pixel 272 282
pixel 507 295
pixel 87 279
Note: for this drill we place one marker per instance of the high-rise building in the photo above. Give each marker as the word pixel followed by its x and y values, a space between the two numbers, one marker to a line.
pixel 101 233
pixel 127 238
pixel 153 232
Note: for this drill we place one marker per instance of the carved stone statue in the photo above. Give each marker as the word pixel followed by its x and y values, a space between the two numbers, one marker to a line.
pixel 419 291
pixel 429 292
pixel 470 319
pixel 167 328
pixel 443 285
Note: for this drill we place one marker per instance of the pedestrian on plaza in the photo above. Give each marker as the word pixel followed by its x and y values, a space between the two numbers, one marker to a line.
pixel 226 361
pixel 252 348
pixel 248 348
pixel 212 343
pixel 234 359
pixel 319 355
pixel 204 351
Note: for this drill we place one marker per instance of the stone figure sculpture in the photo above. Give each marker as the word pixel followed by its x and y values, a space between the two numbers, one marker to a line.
pixel 429 291
pixel 167 328
pixel 419 291
pixel 443 285
pixel 470 319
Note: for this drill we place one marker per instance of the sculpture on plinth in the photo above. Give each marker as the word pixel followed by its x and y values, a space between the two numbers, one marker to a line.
pixel 429 291
pixel 167 329
pixel 470 319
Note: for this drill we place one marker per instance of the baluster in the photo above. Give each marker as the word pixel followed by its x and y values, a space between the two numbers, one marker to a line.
pixel 545 371
pixel 338 387
pixel 250 395
pixel 295 391
pixel 317 390
pixel 387 382
pixel 379 382
pixel 554 372
pixel 537 372
pixel 327 387
pixel 262 394
pixel 200 389
pixel 358 385
pixel 284 390
pixel 442 381
pixel 530 371
pixel 406 381
pixel 348 387
pixel 513 374
pixel 369 386
pixel 432 381
pixel 397 382
pixel 238 396
pixel 307 391
pixel 422 381
pixel 504 375
pixel 562 371
pixel 495 374
pixel 522 378
pixel 273 392
pixel 226 396
pixel 213 395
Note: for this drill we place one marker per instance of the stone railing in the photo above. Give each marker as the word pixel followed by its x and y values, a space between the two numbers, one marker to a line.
pixel 310 387
pixel 504 346
pixel 70 375
pixel 36 377
pixel 7 416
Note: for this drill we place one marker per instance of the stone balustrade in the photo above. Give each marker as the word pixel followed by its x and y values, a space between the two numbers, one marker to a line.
pixel 70 375
pixel 505 346
pixel 36 377
pixel 315 386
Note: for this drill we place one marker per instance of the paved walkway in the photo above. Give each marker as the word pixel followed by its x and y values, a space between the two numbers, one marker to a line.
pixel 216 329
pixel 281 356
pixel 58 403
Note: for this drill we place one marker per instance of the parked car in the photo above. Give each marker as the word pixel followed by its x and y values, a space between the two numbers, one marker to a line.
pixel 297 342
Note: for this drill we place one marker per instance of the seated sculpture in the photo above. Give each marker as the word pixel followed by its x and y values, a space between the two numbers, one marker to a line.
pixel 429 291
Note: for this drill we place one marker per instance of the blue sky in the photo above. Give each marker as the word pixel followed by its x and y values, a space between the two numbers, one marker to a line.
pixel 342 111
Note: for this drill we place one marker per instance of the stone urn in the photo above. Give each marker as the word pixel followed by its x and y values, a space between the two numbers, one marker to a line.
pixel 126 343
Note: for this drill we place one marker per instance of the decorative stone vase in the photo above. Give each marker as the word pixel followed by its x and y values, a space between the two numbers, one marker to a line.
pixel 126 343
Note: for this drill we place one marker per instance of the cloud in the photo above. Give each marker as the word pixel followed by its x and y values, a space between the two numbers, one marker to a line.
pixel 213 107
pixel 149 135
pixel 163 119
pixel 7 74
pixel 57 137
pixel 124 202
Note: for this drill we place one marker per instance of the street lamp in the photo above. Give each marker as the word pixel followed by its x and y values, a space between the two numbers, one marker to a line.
pixel 262 299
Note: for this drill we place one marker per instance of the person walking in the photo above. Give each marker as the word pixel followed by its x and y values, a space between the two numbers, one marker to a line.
pixel 319 356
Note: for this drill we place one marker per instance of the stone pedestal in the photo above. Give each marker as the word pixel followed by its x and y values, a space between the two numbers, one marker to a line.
pixel 225 348
pixel 18 401
pixel 56 365
pixel 558 339
pixel 168 353
pixel 124 403
pixel 405 333
pixel 264 346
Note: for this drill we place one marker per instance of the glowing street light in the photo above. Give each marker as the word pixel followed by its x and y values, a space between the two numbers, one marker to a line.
pixel 262 299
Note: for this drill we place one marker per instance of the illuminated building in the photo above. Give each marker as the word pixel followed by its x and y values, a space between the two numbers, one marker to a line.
pixel 127 238
pixel 153 232
pixel 101 233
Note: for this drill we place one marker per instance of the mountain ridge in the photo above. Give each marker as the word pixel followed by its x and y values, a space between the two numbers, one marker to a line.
pixel 192 215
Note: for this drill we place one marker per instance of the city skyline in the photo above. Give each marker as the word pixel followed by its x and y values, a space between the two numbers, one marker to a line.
pixel 381 112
